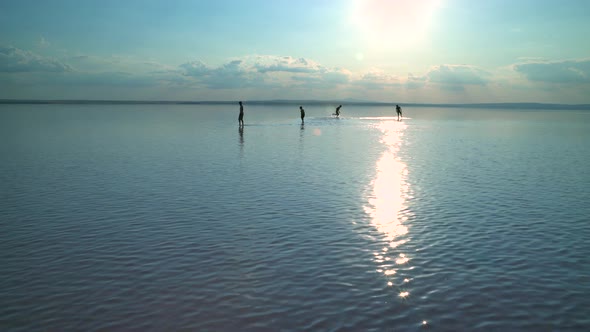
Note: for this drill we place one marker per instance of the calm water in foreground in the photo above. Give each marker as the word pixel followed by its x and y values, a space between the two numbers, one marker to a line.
pixel 164 218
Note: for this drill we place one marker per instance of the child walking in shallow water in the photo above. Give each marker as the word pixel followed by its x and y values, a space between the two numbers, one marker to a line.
pixel 398 110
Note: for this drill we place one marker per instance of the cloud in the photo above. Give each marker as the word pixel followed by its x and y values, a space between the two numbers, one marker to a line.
pixel 458 75
pixel 196 69
pixel 265 71
pixel 449 77
pixel 562 72
pixel 312 74
pixel 115 79
pixel 92 80
pixel 337 76
pixel 230 75
pixel 43 43
pixel 23 68
pixel 25 74
pixel 262 72
pixel 415 82
pixel 314 80
pixel 265 64
pixel 100 64
pixel 14 60
pixel 377 79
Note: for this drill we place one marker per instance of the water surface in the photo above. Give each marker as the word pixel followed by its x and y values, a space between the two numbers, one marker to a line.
pixel 171 217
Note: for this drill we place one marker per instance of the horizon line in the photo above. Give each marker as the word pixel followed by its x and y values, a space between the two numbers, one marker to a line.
pixel 524 105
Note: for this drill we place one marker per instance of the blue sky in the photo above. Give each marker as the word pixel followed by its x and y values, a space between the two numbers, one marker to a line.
pixel 421 51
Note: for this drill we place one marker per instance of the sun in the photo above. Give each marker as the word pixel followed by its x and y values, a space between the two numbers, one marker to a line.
pixel 391 24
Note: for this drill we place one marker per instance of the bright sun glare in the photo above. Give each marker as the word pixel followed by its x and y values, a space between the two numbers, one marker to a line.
pixel 389 24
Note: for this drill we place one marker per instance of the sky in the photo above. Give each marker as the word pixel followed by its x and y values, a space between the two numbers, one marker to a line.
pixel 401 51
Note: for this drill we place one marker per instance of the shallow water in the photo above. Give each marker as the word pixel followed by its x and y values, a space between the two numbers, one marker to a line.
pixel 170 217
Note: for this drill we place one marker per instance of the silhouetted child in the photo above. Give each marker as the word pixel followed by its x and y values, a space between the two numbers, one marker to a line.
pixel 338 111
pixel 302 114
pixel 398 110
pixel 241 117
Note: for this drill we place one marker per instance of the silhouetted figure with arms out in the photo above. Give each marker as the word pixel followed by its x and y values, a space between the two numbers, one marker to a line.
pixel 398 110
pixel 338 111
pixel 302 114
pixel 241 117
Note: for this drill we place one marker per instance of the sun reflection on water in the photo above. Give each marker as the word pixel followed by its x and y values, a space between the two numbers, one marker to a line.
pixel 387 199
pixel 386 202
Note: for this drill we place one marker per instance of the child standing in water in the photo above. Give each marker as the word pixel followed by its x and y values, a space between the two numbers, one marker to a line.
pixel 398 110
pixel 302 114
pixel 241 117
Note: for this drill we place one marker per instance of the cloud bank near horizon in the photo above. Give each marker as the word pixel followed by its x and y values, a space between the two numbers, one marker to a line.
pixel 559 72
pixel 25 74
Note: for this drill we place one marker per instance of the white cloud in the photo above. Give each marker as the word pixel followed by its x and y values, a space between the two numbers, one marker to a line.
pixel 449 77
pixel 377 79
pixel 24 74
pixel 14 60
pixel 231 75
pixel 562 71
pixel 264 71
pixel 458 75
pixel 415 82
pixel 265 64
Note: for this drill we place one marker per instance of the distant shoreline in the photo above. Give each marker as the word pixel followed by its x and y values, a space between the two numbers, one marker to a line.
pixel 542 106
